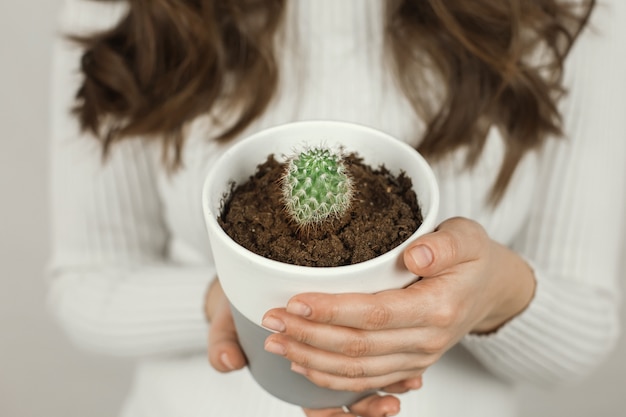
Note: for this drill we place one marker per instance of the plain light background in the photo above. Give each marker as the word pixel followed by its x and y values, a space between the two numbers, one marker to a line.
pixel 41 374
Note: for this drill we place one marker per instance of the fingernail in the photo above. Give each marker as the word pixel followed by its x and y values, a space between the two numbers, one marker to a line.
pixel 276 348
pixel 273 323
pixel 226 361
pixel 298 369
pixel 298 308
pixel 421 255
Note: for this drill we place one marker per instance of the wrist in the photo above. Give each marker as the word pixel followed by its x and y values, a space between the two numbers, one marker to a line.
pixel 514 282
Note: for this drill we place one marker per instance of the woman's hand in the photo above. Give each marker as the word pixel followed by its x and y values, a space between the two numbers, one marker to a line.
pixel 374 405
pixel 226 355
pixel 362 341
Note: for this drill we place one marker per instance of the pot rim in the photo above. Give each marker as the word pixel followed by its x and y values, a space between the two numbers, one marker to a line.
pixel 210 216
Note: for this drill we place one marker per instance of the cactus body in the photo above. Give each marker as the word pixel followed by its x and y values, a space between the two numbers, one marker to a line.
pixel 316 187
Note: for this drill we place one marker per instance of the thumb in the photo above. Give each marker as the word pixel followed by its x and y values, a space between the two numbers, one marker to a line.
pixel 455 241
pixel 225 354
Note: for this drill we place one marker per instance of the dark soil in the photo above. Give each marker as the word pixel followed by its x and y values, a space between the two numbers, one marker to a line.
pixel 385 213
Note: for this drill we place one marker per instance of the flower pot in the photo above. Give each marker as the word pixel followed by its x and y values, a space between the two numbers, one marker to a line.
pixel 254 284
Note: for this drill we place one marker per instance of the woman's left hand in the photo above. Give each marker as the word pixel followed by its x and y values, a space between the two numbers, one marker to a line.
pixel 359 342
pixel 226 355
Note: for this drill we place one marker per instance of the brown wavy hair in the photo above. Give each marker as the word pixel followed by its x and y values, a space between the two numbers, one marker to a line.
pixel 169 61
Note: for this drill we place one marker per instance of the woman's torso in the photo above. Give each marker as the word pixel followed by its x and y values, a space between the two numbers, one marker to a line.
pixel 332 68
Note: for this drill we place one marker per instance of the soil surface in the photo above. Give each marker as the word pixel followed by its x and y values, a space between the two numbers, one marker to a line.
pixel 385 212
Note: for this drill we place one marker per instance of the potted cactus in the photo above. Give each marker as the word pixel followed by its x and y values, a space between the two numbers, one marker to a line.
pixel 316 187
pixel 318 194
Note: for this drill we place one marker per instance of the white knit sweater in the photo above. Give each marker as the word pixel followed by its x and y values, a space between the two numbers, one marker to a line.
pixel 131 261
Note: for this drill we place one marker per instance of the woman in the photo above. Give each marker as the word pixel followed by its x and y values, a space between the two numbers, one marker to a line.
pixel 520 280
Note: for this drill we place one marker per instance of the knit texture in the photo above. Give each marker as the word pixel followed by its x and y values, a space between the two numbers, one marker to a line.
pixel 131 261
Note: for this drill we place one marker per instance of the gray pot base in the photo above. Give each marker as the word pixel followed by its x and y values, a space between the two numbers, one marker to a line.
pixel 274 374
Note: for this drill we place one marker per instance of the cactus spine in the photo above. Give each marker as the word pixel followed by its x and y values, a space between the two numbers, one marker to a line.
pixel 316 187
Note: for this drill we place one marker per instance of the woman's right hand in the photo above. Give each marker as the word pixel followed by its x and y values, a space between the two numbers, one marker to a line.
pixel 225 355
pixel 374 405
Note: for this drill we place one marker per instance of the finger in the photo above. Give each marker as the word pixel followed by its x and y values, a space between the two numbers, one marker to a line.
pixel 340 383
pixel 393 309
pixel 225 354
pixel 351 342
pixel 327 412
pixel 404 386
pixel 371 406
pixel 340 365
pixel 455 241
pixel 376 406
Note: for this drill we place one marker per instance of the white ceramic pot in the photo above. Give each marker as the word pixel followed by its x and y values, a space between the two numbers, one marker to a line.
pixel 254 284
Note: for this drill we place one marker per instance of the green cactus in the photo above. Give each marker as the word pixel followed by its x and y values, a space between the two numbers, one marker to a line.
pixel 316 187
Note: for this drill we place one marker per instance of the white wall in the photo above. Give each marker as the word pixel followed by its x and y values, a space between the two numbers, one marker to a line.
pixel 41 374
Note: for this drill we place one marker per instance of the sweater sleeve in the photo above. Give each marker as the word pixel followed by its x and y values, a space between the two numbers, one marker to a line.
pixel 574 236
pixel 112 287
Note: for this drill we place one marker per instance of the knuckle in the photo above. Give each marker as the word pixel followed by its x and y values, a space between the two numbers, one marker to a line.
pixel 378 316
pixel 302 360
pixel 359 346
pixel 473 232
pixel 444 315
pixel 353 370
pixel 332 313
pixel 301 334
pixel 298 356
